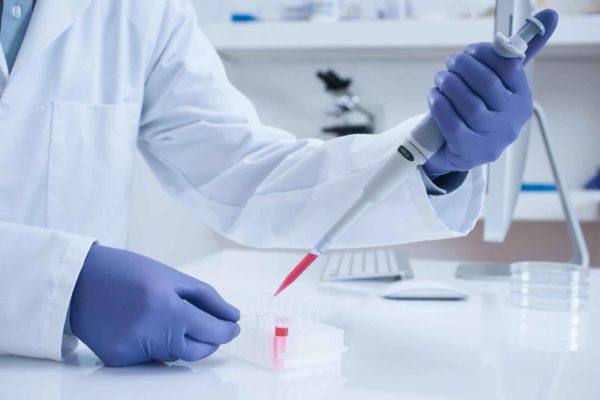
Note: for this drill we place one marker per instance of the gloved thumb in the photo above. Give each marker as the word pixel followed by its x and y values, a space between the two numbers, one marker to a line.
pixel 549 18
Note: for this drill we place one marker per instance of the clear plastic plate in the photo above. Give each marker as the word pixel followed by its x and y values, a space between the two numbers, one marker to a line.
pixel 550 286
pixel 282 335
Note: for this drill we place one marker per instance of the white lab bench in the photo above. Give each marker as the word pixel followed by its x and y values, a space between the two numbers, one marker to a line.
pixel 482 348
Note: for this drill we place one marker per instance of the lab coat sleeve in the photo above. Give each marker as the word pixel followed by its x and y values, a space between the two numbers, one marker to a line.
pixel 261 186
pixel 38 272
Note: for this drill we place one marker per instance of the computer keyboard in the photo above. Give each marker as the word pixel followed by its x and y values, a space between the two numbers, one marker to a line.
pixel 385 263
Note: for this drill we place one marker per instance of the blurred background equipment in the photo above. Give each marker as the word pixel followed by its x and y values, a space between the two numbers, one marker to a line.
pixel 395 10
pixel 345 107
pixel 594 183
pixel 355 10
pixel 326 10
pixel 246 10
pixel 296 10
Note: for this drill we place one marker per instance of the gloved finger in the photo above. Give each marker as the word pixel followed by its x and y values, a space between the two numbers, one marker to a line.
pixel 445 116
pixel 206 328
pixel 549 18
pixel 510 70
pixel 206 298
pixel 165 356
pixel 188 349
pixel 466 102
pixel 158 349
pixel 123 359
pixel 458 163
pixel 437 165
pixel 481 79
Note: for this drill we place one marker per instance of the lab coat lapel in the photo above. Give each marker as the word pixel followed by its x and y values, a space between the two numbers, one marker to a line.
pixel 49 20
pixel 3 69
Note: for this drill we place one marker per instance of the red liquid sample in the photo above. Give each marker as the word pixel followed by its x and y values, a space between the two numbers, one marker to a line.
pixel 296 272
pixel 281 331
pixel 280 344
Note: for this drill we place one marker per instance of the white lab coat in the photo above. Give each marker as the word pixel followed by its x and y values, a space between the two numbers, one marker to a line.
pixel 96 79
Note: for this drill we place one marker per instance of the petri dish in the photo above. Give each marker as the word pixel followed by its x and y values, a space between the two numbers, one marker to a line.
pixel 550 286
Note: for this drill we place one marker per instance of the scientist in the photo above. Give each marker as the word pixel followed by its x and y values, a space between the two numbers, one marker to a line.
pixel 84 83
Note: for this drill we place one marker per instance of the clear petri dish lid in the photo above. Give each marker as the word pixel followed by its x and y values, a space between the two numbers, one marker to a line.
pixel 549 273
pixel 549 303
pixel 555 291
pixel 550 286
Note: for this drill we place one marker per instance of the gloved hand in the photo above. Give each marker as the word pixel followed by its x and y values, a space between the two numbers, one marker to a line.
pixel 130 309
pixel 481 103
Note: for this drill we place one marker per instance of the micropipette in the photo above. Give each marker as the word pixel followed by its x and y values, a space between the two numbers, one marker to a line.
pixel 422 143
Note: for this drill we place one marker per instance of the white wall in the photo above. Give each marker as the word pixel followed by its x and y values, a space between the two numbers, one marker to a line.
pixel 289 96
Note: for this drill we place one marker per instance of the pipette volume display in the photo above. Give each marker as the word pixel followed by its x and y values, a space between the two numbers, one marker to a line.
pixel 423 142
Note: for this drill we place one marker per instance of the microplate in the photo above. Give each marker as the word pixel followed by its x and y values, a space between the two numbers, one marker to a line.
pixel 286 335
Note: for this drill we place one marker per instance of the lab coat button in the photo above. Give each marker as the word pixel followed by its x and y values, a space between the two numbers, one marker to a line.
pixel 17 11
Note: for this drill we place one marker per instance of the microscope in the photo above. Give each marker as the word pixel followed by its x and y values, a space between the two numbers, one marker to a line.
pixel 345 107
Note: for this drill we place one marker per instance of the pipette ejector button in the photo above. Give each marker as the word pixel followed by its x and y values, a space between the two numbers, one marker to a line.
pixel 406 153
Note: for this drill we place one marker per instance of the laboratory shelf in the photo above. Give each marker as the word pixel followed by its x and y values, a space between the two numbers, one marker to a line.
pixel 545 206
pixel 577 36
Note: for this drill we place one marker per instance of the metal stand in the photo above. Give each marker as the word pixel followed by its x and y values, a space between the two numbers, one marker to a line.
pixel 580 256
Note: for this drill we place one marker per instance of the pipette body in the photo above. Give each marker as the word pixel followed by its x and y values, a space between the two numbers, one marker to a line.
pixel 423 142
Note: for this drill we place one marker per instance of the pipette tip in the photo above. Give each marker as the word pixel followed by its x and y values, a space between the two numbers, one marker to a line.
pixel 297 271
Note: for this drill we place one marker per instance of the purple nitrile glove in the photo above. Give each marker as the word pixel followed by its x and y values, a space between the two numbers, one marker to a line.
pixel 129 309
pixel 481 103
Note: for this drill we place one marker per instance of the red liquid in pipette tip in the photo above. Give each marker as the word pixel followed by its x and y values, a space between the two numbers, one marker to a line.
pixel 296 272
